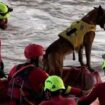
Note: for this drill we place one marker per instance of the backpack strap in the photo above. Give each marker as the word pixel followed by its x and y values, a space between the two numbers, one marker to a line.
pixel 25 98
pixel 22 69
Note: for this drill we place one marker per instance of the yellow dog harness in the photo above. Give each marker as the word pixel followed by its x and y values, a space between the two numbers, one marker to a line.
pixel 76 38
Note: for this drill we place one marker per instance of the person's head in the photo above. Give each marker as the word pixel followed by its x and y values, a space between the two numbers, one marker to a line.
pixel 54 84
pixel 34 52
pixel 4 14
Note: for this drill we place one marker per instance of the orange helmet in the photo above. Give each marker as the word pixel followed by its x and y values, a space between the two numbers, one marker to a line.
pixel 33 50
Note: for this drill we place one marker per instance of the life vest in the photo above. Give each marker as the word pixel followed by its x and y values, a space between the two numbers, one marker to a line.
pixel 76 37
pixel 19 83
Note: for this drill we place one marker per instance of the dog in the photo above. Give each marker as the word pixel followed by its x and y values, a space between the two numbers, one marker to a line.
pixel 76 37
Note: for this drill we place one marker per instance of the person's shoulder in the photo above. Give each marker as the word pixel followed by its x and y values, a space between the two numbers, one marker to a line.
pixel 39 71
pixel 39 68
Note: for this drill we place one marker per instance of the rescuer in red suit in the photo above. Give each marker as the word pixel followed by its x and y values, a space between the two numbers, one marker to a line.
pixel 54 88
pixel 97 92
pixel 26 80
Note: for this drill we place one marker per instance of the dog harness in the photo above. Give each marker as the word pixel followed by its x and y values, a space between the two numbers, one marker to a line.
pixel 80 29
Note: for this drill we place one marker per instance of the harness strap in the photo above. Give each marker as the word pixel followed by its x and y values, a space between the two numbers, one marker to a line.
pixel 22 69
pixel 21 86
pixel 25 98
pixel 20 91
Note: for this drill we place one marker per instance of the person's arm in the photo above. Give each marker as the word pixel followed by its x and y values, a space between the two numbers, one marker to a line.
pixel 73 90
pixel 87 100
pixel 2 74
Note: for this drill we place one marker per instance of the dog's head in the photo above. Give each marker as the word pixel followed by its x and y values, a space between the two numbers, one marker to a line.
pixel 100 18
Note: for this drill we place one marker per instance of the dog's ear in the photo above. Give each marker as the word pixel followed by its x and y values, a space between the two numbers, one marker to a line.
pixel 100 7
pixel 100 10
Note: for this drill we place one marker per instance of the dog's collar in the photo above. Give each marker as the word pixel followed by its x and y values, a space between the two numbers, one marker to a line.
pixel 91 27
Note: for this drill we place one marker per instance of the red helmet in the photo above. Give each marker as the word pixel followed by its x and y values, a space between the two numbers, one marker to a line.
pixel 33 50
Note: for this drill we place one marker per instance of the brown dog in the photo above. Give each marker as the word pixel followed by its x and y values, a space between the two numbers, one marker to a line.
pixel 80 34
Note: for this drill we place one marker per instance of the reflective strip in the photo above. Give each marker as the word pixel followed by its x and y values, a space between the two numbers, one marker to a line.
pixel 68 90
